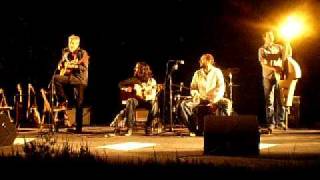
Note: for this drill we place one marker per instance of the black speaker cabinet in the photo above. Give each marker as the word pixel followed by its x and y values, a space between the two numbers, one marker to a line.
pixel 231 135
pixel 8 131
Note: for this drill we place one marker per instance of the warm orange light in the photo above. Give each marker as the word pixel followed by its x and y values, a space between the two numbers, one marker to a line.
pixel 293 27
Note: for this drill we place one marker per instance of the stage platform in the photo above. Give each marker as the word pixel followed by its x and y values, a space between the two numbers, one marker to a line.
pixel 289 144
pixel 288 153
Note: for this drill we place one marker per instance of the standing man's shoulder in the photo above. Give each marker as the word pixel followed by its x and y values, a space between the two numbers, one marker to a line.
pixel 279 46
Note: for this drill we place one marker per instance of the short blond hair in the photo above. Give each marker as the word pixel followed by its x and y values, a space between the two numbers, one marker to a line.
pixel 208 58
pixel 74 37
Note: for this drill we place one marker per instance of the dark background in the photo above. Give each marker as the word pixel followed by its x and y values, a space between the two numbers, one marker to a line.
pixel 119 33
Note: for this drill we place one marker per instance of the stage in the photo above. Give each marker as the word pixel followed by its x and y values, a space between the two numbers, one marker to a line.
pixel 292 144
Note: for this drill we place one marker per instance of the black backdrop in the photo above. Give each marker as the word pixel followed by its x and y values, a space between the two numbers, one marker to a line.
pixel 117 34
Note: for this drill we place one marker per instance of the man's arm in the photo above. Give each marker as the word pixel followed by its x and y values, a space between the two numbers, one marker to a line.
pixel 84 61
pixel 194 89
pixel 218 92
pixel 264 62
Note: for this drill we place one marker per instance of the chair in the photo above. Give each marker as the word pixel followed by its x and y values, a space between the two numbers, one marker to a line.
pixel 288 86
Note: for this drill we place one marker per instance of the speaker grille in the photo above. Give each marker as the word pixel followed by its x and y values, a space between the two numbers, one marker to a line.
pixel 231 135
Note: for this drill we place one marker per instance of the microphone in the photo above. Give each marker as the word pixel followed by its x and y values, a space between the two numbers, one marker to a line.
pixel 180 61
pixel 177 61
pixel 181 86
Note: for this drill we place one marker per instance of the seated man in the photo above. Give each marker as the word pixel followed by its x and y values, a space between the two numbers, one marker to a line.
pixel 73 72
pixel 144 89
pixel 207 90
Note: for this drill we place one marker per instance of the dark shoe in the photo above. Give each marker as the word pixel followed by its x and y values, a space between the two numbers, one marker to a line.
pixel 282 125
pixel 75 131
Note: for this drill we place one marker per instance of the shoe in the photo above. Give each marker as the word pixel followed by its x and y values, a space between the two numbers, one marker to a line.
pixel 129 133
pixel 110 135
pixel 271 126
pixel 192 134
pixel 75 131
pixel 282 125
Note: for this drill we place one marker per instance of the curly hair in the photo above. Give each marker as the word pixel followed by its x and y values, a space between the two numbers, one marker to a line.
pixel 143 71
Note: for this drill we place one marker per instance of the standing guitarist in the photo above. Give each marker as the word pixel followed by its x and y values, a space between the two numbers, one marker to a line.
pixel 272 58
pixel 73 72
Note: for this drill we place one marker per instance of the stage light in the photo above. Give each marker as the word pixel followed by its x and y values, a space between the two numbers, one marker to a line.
pixel 292 27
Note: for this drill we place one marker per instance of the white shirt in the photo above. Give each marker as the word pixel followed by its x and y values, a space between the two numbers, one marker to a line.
pixel 210 86
pixel 148 90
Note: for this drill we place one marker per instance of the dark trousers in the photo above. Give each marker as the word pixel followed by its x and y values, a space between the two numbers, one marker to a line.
pixel 60 83
pixel 192 114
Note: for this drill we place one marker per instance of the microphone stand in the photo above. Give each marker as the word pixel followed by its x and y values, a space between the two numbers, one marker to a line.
pixel 169 75
pixel 164 93
pixel 52 94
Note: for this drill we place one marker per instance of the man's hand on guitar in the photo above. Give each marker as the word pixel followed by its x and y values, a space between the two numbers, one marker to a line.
pixel 278 69
pixel 66 66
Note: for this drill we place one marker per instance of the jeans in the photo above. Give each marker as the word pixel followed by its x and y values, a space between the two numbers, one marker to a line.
pixel 131 106
pixel 275 111
pixel 190 112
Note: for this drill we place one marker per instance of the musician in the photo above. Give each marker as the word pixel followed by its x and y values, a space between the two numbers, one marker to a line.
pixel 207 90
pixel 145 88
pixel 272 58
pixel 73 71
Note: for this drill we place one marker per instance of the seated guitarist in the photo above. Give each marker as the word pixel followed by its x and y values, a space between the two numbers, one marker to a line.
pixel 73 71
pixel 145 89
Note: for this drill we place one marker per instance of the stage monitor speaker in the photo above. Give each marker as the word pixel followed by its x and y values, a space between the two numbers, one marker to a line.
pixel 8 131
pixel 231 135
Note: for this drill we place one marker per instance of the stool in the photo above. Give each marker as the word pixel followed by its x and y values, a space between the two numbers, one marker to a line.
pixel 141 117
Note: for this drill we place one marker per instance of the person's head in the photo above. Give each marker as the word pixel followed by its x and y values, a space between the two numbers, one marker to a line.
pixel 73 43
pixel 142 71
pixel 206 60
pixel 268 37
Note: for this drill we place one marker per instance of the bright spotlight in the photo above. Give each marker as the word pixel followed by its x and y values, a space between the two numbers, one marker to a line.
pixel 292 27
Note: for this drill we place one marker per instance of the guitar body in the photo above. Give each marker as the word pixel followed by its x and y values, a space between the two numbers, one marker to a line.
pixel 127 93
pixel 66 67
pixel 139 91
pixel 288 84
